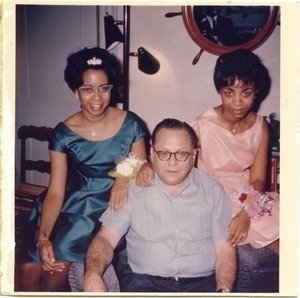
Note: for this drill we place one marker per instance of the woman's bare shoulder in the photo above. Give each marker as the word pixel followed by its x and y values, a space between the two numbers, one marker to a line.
pixel 72 120
pixel 117 112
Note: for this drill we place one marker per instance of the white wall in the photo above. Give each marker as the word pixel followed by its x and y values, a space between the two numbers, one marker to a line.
pixel 46 35
pixel 180 89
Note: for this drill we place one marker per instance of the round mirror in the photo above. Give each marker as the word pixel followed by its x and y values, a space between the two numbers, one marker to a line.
pixel 221 29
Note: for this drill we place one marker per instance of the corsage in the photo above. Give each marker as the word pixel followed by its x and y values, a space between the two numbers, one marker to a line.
pixel 127 167
pixel 255 203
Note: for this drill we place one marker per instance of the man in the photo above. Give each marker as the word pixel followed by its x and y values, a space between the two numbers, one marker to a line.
pixel 215 27
pixel 176 228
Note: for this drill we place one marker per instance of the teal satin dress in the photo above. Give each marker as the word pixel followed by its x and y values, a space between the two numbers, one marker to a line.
pixel 88 189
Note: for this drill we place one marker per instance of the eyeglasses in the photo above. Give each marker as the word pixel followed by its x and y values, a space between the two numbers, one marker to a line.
pixel 166 155
pixel 88 91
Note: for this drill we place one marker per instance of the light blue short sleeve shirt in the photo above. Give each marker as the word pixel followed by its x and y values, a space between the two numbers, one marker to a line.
pixel 173 235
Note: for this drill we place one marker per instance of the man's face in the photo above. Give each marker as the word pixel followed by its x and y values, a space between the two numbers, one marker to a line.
pixel 172 172
pixel 212 11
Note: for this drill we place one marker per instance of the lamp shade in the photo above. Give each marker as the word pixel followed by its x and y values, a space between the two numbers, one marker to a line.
pixel 113 34
pixel 146 62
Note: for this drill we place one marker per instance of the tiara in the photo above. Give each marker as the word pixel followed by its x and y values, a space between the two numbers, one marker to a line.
pixel 94 61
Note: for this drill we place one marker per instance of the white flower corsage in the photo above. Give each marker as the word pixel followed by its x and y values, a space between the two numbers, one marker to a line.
pixel 255 203
pixel 127 167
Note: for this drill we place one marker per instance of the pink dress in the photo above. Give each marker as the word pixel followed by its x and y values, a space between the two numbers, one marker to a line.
pixel 227 158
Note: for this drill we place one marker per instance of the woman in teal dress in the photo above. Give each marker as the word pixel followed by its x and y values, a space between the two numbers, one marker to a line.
pixel 83 150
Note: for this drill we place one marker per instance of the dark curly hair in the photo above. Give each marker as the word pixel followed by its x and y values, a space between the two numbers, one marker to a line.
pixel 77 65
pixel 246 67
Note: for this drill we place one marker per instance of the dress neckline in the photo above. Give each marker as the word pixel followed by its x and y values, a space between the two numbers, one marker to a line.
pixel 215 114
pixel 96 141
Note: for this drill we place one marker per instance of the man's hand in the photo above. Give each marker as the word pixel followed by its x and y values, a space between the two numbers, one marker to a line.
pixel 93 282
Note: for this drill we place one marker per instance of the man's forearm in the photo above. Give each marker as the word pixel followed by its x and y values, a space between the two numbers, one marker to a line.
pixel 99 255
pixel 226 266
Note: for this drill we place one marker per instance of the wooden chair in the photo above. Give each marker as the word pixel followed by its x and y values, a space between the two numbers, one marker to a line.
pixel 25 193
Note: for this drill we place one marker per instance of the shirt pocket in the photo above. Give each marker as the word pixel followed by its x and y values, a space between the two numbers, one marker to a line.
pixel 194 221
pixel 154 224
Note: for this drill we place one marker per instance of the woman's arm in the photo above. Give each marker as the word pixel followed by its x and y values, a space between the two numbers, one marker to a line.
pixel 119 192
pixel 258 170
pixel 139 149
pixel 145 176
pixel 240 224
pixel 51 209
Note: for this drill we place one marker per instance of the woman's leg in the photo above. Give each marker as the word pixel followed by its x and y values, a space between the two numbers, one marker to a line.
pixel 32 278
pixel 56 282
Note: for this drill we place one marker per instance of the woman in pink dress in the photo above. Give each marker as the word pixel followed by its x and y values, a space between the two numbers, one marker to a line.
pixel 233 149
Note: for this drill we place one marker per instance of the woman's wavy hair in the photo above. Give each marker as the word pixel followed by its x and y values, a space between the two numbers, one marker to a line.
pixel 77 64
pixel 245 66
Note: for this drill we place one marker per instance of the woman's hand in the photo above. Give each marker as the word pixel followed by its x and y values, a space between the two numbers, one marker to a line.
pixel 145 176
pixel 47 257
pixel 119 194
pixel 238 228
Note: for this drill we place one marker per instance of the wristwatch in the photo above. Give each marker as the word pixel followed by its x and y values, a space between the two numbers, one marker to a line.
pixel 223 290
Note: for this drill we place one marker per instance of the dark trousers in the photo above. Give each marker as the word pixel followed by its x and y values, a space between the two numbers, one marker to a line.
pixel 133 282
pixel 146 283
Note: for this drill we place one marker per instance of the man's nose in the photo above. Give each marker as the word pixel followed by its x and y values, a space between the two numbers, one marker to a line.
pixel 173 159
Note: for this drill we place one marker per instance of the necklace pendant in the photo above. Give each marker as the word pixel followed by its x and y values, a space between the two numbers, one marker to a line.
pixel 94 133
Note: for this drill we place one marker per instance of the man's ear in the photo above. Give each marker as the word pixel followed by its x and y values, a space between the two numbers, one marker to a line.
pixel 76 94
pixel 195 151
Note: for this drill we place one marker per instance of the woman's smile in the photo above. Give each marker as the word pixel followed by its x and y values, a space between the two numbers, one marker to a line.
pixel 96 107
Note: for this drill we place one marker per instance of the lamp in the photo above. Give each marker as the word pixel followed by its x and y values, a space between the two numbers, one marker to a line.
pixel 113 34
pixel 147 63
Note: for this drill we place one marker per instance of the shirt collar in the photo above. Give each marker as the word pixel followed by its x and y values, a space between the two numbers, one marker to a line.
pixel 185 185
